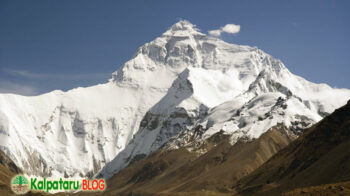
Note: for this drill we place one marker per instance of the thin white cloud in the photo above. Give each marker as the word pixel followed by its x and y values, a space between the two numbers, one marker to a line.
pixel 14 88
pixel 228 28
pixel 23 88
pixel 30 75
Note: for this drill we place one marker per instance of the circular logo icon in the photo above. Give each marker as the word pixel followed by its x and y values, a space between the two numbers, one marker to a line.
pixel 20 184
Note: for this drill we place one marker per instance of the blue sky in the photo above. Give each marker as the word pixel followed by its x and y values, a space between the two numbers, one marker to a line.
pixel 63 44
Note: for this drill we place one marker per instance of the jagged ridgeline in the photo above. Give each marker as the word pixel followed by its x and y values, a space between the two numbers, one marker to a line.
pixel 177 91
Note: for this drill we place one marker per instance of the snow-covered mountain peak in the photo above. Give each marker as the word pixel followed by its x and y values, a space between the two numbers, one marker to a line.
pixel 217 86
pixel 180 47
pixel 171 85
pixel 183 28
pixel 175 50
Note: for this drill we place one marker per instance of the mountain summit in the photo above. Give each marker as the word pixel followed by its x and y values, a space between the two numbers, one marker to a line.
pixel 183 28
pixel 180 85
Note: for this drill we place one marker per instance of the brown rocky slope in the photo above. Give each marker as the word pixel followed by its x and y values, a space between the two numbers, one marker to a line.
pixel 180 172
pixel 320 156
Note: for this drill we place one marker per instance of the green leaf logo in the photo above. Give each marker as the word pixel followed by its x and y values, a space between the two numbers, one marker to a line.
pixel 20 184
